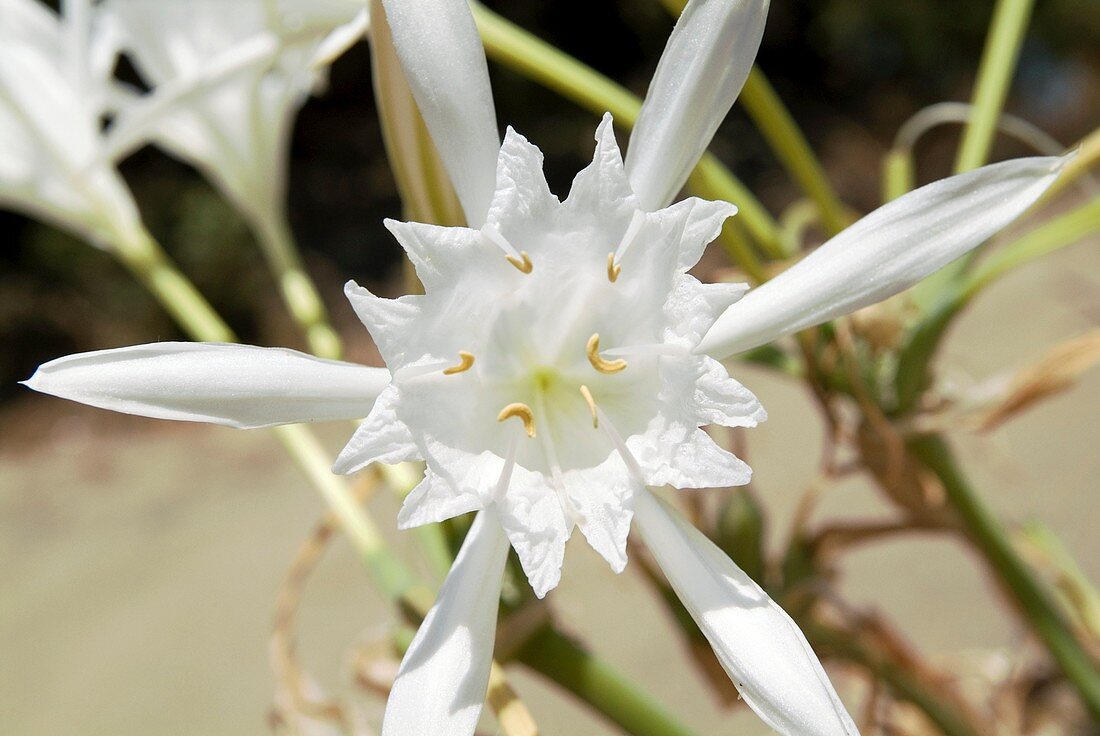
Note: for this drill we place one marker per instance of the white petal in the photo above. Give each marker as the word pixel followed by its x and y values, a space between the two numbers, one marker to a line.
pixel 382 437
pixel 235 385
pixel 719 399
pixel 603 183
pixel 701 72
pixel 536 526
pixel 700 221
pixel 441 685
pixel 759 646
pixel 686 457
pixel 522 194
pixel 444 62
pixel 886 252
pixel 604 497
pixel 442 255
pixel 434 499
pixel 389 321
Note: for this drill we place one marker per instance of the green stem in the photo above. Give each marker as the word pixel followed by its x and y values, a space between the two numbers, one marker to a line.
pixel 563 661
pixel 1002 48
pixel 141 255
pixel 515 48
pixel 898 175
pixel 298 291
pixel 775 123
pixel 1016 579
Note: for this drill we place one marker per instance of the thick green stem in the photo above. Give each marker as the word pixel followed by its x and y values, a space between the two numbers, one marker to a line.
pixel 515 48
pixel 1002 48
pixel 297 289
pixel 563 661
pixel 1017 580
pixel 775 123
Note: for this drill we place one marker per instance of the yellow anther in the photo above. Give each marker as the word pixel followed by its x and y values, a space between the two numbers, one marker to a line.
pixel 523 412
pixel 591 406
pixel 524 265
pixel 465 362
pixel 613 269
pixel 603 366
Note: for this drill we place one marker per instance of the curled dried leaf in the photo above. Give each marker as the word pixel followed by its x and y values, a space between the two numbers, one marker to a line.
pixel 1056 372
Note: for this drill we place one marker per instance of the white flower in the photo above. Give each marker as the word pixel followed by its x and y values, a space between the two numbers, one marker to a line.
pixel 556 366
pixel 54 75
pixel 228 79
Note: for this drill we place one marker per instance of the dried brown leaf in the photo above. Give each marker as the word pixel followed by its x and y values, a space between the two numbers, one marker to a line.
pixel 1056 372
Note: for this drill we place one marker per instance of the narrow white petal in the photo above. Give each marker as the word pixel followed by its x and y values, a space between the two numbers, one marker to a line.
pixel 441 685
pixel 759 646
pixel 702 70
pixel 444 62
pixel 886 252
pixel 236 385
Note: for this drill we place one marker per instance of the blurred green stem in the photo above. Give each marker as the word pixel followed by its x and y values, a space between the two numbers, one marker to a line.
pixel 297 289
pixel 1002 48
pixel 563 661
pixel 1017 580
pixel 775 123
pixel 145 259
pixel 529 55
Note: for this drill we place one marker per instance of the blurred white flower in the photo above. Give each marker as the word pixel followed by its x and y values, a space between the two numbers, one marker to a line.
pixel 228 79
pixel 54 84
pixel 556 368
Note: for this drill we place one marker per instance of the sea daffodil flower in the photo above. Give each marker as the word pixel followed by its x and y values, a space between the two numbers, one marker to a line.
pixel 236 74
pixel 557 367
pixel 54 86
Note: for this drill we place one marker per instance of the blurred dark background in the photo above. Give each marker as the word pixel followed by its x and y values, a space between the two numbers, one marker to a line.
pixel 851 71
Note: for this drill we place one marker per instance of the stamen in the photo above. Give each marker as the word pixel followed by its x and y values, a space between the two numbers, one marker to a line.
pixel 466 361
pixel 631 462
pixel 591 406
pixel 517 258
pixel 523 412
pixel 613 269
pixel 615 259
pixel 523 263
pixel 603 366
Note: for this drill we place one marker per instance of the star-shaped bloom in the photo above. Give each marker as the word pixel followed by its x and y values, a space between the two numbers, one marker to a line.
pixel 562 362
pixel 54 86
